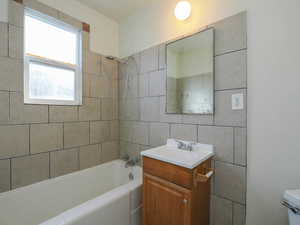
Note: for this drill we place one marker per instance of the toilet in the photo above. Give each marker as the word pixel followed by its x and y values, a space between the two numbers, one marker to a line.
pixel 292 202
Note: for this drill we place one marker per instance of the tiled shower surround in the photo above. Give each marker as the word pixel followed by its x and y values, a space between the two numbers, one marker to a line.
pixel 144 123
pixel 39 142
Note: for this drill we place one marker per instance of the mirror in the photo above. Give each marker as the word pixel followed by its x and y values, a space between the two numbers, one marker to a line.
pixel 190 74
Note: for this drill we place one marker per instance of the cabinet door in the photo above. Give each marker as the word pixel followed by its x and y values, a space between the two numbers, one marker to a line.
pixel 165 203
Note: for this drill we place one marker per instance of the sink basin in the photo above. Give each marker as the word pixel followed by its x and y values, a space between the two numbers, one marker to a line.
pixel 188 159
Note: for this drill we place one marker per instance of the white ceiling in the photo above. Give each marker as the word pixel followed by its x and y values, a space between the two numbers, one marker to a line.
pixel 116 9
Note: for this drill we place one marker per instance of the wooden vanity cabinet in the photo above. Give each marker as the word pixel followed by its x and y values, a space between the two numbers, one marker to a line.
pixel 174 195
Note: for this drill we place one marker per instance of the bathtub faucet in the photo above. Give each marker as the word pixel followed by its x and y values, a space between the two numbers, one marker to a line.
pixel 130 162
pixel 125 157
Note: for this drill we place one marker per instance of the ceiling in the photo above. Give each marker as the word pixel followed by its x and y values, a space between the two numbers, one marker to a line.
pixel 116 9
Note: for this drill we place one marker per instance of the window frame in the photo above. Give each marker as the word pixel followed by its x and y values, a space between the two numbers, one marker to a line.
pixel 77 68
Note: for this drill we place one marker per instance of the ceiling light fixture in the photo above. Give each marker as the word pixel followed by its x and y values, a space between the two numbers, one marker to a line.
pixel 183 10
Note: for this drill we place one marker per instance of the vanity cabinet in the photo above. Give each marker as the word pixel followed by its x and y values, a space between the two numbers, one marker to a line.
pixel 174 195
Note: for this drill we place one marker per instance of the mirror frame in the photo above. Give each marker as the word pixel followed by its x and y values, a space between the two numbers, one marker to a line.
pixel 213 72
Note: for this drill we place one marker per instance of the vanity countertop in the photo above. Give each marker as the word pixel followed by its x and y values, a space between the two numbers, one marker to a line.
pixel 188 159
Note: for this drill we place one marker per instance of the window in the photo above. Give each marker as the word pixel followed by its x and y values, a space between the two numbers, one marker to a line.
pixel 53 67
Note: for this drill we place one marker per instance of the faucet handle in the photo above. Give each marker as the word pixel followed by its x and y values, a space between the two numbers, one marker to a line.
pixel 180 144
pixel 191 145
pixel 137 159
pixel 125 157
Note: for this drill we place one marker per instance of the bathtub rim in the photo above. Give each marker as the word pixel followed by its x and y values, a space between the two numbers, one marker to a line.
pixel 53 179
pixel 92 205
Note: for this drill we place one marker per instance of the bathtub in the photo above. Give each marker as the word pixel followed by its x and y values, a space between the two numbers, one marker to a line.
pixel 102 195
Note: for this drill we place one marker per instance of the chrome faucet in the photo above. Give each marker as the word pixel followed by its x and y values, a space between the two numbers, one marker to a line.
pixel 185 146
pixel 125 157
pixel 130 162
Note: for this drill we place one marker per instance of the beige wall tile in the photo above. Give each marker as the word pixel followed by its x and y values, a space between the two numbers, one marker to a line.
pixel 231 34
pixel 86 85
pixel 24 113
pixel 157 84
pixel 106 87
pixel 149 60
pixel 89 156
pixel 63 113
pixel 107 108
pixel 221 211
pixel 14 141
pixel 150 109
pixel 198 119
pixel 16 41
pixel 239 214
pixel 30 169
pixel 99 132
pixel 94 84
pixel 221 138
pixel 184 132
pixel 240 146
pixel 129 109
pixel 63 162
pixel 110 68
pixel 115 108
pixel 230 181
pixel 126 131
pixel 110 151
pixel 4 107
pixel 3 39
pixel 46 137
pixel 4 175
pixel 141 133
pixel 15 13
pixel 159 133
pixel 168 118
pixel 100 86
pixel 90 110
pixel 76 134
pixel 115 130
pixel 162 56
pixel 92 63
pixel 128 88
pixel 11 76
pixel 224 115
pixel 131 149
pixel 231 70
pixel 144 85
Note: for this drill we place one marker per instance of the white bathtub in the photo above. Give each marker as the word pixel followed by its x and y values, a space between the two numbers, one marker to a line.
pixel 102 195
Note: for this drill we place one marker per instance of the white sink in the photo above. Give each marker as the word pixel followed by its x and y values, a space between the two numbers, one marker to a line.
pixel 188 159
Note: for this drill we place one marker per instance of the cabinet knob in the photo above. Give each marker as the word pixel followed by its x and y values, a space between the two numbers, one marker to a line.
pixel 184 201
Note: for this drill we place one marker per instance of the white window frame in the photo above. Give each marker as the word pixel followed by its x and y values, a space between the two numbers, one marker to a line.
pixel 77 68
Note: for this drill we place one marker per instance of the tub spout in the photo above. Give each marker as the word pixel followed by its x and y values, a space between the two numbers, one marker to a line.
pixel 132 162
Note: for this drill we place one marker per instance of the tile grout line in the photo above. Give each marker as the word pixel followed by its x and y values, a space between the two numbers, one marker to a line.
pixel 29 136
pixel 233 144
pixel 49 165
pixel 11 176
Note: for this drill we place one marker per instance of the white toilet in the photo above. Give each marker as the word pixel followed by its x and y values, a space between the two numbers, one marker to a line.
pixel 292 202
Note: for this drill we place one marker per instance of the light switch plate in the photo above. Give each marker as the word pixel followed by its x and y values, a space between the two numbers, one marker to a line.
pixel 237 101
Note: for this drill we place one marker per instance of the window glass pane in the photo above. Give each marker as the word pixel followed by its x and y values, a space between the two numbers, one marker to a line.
pixel 43 39
pixel 46 82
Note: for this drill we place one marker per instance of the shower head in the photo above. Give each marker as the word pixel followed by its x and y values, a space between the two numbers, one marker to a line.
pixel 123 61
